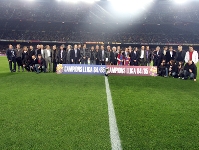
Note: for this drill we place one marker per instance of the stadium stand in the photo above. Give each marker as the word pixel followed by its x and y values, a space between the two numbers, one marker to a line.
pixel 80 23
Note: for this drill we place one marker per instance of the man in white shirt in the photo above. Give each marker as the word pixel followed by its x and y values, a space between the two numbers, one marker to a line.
pixel 191 55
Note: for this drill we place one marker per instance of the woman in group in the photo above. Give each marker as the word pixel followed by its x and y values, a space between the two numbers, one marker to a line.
pixel 25 59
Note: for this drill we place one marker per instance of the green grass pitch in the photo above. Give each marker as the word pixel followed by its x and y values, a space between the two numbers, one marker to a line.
pixel 56 112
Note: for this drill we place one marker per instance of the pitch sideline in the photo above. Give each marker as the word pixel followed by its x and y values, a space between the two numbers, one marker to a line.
pixel 114 133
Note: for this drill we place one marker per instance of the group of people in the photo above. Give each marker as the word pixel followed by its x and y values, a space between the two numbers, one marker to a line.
pixel 178 64
pixel 170 62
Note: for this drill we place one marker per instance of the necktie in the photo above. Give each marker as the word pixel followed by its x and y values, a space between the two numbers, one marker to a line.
pixel 147 54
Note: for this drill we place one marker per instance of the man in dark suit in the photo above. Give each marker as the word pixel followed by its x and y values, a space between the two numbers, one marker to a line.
pixel 148 56
pixel 75 55
pixel 61 55
pixel 180 55
pixel 134 57
pixel 38 50
pixel 11 56
pixel 68 51
pixel 170 55
pixel 102 55
pixel 31 52
pixel 157 56
pixel 54 58
pixel 91 56
pixel 97 55
pixel 19 56
pixel 164 52
pixel 84 55
pixel 33 62
pixel 113 56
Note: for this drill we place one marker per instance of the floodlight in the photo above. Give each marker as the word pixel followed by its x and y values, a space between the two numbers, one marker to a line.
pixel 180 1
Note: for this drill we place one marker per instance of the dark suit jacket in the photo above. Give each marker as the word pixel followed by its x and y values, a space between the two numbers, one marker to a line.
pixel 43 62
pixel 168 56
pixel 97 55
pixel 9 54
pixel 31 53
pixel 33 62
pixel 72 54
pixel 54 56
pixel 192 67
pixel 149 55
pixel 25 59
pixel 92 54
pixel 37 52
pixel 100 55
pixel 125 55
pixel 135 56
pixel 183 53
pixel 157 55
pixel 113 57
pixel 64 56
pixel 139 54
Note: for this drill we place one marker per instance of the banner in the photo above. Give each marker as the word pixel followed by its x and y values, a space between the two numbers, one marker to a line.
pixel 132 70
pixel 80 69
pixel 107 69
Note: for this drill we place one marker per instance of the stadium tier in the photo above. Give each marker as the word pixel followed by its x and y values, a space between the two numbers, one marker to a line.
pixel 161 22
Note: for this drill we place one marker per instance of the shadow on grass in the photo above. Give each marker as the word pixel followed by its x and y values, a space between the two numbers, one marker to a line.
pixel 6 74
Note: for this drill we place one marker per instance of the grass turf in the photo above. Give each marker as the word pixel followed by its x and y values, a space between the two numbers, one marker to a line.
pixel 156 112
pixel 50 111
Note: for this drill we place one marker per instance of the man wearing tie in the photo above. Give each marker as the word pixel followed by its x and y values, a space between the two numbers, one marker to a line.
pixel 148 56
pixel 62 55
pixel 113 56
pixel 92 56
pixel 164 52
pixel 75 55
pixel 68 60
pixel 134 57
pixel 54 58
pixel 108 55
pixel 157 56
pixel 97 55
pixel 84 55
pixel 170 55
pixel 102 56
pixel 11 55
pixel 142 56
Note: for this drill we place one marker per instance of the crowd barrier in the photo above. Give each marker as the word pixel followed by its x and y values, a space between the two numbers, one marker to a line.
pixel 103 69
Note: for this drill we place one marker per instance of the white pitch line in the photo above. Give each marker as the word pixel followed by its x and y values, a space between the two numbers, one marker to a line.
pixel 114 133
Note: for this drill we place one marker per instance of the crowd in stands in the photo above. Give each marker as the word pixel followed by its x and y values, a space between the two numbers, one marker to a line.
pixel 175 63
pixel 97 12
pixel 16 30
